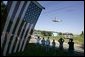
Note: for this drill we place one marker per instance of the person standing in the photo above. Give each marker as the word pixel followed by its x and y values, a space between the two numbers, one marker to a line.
pixel 53 46
pixel 53 43
pixel 71 45
pixel 38 40
pixel 47 44
pixel 61 40
pixel 43 42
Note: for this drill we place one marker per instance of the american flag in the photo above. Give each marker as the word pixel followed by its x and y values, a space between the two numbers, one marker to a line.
pixel 32 13
pixel 30 17
pixel 16 9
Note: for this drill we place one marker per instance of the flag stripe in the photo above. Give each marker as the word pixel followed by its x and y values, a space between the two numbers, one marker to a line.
pixel 24 12
pixel 12 18
pixel 28 29
pixel 27 37
pixel 7 21
pixel 16 46
pixel 14 21
pixel 16 31
pixel 23 36
pixel 9 5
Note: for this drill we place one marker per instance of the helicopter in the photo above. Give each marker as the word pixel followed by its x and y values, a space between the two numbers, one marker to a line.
pixel 56 20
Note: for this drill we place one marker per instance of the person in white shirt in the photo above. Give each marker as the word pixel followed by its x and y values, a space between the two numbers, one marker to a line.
pixel 38 40
pixel 47 44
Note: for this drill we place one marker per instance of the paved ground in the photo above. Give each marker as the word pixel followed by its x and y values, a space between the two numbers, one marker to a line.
pixel 65 45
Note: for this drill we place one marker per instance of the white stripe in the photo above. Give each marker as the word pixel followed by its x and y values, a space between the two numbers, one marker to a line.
pixel 14 22
pixel 27 37
pixel 23 14
pixel 16 46
pixel 7 22
pixel 16 16
pixel 18 28
pixel 23 37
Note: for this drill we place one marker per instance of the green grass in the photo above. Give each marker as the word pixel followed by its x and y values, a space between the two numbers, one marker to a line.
pixel 77 40
pixel 33 50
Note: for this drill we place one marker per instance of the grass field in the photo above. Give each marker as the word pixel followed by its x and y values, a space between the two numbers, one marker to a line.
pixel 33 50
pixel 77 39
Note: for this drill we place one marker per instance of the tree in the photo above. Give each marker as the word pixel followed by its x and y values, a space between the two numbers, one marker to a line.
pixel 49 33
pixel 82 34
pixel 59 33
pixel 46 33
pixel 43 33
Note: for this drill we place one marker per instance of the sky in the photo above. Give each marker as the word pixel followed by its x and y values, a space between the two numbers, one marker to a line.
pixel 70 12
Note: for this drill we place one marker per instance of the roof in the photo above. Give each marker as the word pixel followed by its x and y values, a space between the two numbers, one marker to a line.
pixel 67 34
pixel 35 2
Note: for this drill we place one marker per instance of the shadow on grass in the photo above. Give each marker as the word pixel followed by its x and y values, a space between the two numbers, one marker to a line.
pixel 34 50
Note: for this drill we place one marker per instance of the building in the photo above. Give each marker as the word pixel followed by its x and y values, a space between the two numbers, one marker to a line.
pixel 20 22
pixel 68 35
pixel 54 34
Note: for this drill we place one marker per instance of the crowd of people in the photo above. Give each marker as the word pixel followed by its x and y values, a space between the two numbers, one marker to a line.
pixel 46 43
